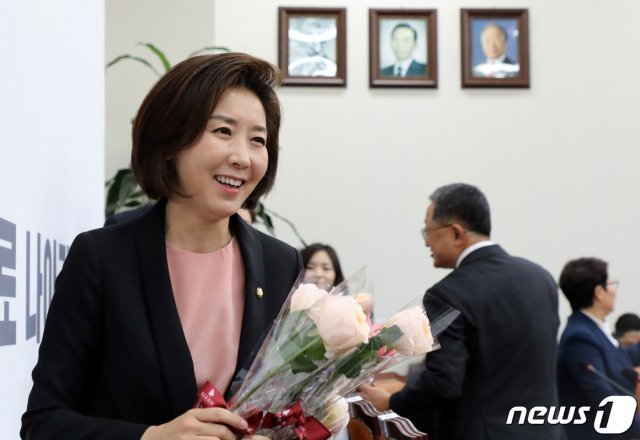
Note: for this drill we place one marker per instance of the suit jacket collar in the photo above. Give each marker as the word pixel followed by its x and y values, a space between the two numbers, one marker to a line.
pixel 253 321
pixel 481 253
pixel 584 320
pixel 613 354
pixel 580 318
pixel 174 355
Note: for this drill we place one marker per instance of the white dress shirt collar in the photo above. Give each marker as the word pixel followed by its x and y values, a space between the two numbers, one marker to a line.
pixel 404 67
pixel 472 248
pixel 604 326
pixel 498 60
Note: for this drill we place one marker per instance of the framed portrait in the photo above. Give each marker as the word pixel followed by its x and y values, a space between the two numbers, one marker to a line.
pixel 495 47
pixel 403 48
pixel 312 46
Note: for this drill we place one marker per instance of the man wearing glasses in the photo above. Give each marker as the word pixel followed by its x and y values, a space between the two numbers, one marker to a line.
pixel 591 365
pixel 501 351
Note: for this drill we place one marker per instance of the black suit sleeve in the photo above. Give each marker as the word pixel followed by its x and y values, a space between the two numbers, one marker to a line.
pixel 442 377
pixel 69 357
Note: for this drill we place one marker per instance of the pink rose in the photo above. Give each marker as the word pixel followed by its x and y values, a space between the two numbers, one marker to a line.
pixel 305 296
pixel 366 301
pixel 416 335
pixel 341 323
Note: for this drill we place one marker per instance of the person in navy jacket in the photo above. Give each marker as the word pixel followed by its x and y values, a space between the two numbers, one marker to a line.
pixel 588 353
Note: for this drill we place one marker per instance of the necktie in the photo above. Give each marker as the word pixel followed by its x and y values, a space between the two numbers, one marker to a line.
pixel 398 71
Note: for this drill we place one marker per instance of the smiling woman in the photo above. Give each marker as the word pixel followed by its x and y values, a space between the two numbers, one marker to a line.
pixel 322 265
pixel 143 310
pixel 221 170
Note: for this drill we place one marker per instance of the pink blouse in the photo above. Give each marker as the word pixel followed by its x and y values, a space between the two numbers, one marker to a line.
pixel 209 293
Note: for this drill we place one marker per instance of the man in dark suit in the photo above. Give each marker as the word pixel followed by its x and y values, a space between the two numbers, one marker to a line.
pixel 501 351
pixel 588 350
pixel 404 41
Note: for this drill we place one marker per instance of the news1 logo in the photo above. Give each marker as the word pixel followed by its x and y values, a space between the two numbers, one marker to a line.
pixel 614 415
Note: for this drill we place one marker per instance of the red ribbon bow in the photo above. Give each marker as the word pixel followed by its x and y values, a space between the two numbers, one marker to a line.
pixel 210 397
pixel 306 428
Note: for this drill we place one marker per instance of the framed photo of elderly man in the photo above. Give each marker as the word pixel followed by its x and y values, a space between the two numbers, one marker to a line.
pixel 403 48
pixel 312 46
pixel 495 47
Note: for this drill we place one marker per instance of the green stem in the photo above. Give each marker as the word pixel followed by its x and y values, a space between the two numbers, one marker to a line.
pixel 329 380
pixel 357 354
pixel 273 373
pixel 301 386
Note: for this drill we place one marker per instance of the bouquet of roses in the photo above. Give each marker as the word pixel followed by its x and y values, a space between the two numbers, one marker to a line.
pixel 321 347
pixel 407 333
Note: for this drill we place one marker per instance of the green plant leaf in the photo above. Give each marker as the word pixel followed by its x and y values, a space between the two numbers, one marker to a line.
pixel 268 223
pixel 317 351
pixel 302 364
pixel 352 365
pixel 163 59
pixel 290 322
pixel 113 193
pixel 291 348
pixel 134 58
pixel 123 191
pixel 128 187
pixel 386 337
pixel 209 49
pixel 264 218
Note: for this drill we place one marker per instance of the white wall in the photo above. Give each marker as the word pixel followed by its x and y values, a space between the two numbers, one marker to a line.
pixel 177 28
pixel 51 168
pixel 557 161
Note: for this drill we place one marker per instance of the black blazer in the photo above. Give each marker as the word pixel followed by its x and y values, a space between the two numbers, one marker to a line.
pixel 113 358
pixel 126 216
pixel 499 353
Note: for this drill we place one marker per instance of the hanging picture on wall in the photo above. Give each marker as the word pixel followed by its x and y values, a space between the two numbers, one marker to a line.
pixel 495 47
pixel 312 46
pixel 403 48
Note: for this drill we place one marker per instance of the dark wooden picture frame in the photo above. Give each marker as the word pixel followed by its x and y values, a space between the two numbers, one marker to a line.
pixel 313 46
pixel 495 47
pixel 407 33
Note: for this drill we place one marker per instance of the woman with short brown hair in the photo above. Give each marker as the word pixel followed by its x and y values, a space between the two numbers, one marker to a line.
pixel 145 312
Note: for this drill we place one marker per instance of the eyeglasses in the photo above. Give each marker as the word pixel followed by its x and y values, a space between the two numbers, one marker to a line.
pixel 614 283
pixel 425 231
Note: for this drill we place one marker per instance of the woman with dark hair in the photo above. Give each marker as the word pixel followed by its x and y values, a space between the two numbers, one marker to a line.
pixel 146 311
pixel 323 268
pixel 322 265
pixel 590 361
